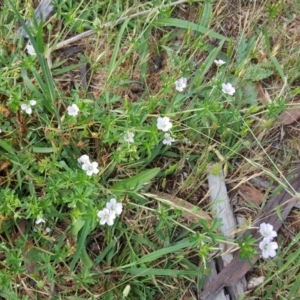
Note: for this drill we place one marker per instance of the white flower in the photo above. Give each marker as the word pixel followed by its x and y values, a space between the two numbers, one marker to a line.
pixel 128 137
pixel 0 130
pixel 219 62
pixel 106 216
pixel 83 159
pixel 39 221
pixel 268 248
pixel 227 88
pixel 30 50
pixel 266 230
pixel 73 110
pixel 114 206
pixel 27 107
pixel 164 123
pixel 126 290
pixel 168 139
pixel 48 230
pixel 90 168
pixel 180 84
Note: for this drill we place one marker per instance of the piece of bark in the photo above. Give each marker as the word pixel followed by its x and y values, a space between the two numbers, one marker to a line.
pixel 71 51
pixel 41 13
pixel 83 73
pixel 221 204
pixel 223 210
pixel 238 268
pixel 210 278
pixel 189 211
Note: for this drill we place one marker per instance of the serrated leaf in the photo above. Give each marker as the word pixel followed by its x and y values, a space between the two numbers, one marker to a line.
pixel 241 49
pixel 250 93
pixel 257 73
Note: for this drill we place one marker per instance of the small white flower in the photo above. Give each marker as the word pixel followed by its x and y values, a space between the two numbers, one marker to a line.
pixel 0 130
pixel 266 230
pixel 181 84
pixel 90 168
pixel 27 107
pixel 164 123
pixel 114 206
pixel 168 140
pixel 73 110
pixel 48 229
pixel 268 248
pixel 39 221
pixel 128 137
pixel 126 290
pixel 219 62
pixel 30 50
pixel 106 217
pixel 83 159
pixel 227 88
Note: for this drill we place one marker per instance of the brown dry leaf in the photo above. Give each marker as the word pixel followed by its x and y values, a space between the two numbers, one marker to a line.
pixel 21 230
pixel 262 96
pixel 4 165
pixel 290 116
pixel 189 211
pixel 250 193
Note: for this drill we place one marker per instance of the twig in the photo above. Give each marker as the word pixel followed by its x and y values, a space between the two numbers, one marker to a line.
pixel 115 23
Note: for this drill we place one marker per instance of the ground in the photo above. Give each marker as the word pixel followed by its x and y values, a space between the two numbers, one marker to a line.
pixel 122 79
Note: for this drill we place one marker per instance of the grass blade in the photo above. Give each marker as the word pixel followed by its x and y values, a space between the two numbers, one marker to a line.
pixel 189 26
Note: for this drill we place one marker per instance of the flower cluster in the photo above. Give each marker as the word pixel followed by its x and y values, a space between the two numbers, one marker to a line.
pixel 164 124
pixel 267 246
pixel 89 167
pixel 27 107
pixel 109 213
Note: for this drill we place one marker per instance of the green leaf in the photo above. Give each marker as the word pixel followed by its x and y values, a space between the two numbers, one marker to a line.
pixel 160 272
pixel 66 69
pixel 251 93
pixel 161 252
pixel 42 149
pixel 7 147
pixel 136 182
pixel 257 72
pixel 104 252
pixel 206 15
pixel 189 26
pixel 77 225
pixel 81 251
pixel 113 61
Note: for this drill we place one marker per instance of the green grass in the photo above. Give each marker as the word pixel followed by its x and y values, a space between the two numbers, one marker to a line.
pixel 151 247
